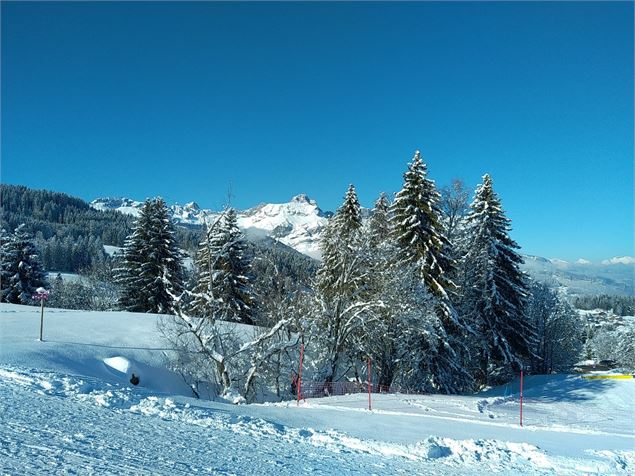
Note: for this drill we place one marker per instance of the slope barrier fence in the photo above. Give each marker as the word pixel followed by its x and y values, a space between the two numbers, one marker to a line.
pixel 311 389
pixel 305 390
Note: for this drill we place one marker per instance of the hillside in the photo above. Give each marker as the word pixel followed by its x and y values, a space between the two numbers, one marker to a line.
pixel 54 214
pixel 67 403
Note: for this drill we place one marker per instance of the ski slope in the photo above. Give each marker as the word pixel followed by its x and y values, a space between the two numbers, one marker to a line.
pixel 66 405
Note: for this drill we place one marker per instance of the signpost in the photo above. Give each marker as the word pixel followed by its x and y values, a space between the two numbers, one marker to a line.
pixel 41 295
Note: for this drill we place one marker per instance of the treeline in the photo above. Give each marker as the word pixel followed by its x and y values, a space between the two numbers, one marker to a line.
pixel 69 234
pixel 68 255
pixel 60 215
pixel 620 305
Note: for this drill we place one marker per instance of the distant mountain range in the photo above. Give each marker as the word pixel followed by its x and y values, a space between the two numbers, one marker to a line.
pixel 299 224
pixel 583 277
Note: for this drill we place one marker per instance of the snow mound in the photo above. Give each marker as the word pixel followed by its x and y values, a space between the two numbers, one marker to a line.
pixel 118 364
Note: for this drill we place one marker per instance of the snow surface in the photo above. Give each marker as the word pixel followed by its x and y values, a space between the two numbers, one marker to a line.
pixel 67 277
pixel 111 250
pixel 67 406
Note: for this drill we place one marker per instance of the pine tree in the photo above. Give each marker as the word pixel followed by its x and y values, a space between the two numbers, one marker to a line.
pixel 384 284
pixel 418 232
pixel 223 285
pixel 379 224
pixel 151 272
pixel 339 246
pixel 496 290
pixel 21 272
pixel 342 306
pixel 418 229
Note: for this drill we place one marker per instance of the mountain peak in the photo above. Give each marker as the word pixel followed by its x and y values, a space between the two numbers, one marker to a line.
pixel 303 198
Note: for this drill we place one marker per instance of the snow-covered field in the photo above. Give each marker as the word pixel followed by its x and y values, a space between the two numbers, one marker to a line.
pixel 66 406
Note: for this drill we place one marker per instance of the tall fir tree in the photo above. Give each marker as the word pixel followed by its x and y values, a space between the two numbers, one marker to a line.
pixel 223 287
pixel 418 232
pixel 340 244
pixel 151 272
pixel 341 302
pixel 495 289
pixel 21 270
pixel 418 229
pixel 379 224
pixel 384 281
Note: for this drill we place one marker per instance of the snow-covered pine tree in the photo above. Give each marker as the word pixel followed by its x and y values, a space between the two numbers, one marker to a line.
pixel 379 224
pixel 223 286
pixel 132 289
pixel 340 245
pixel 5 260
pixel 418 232
pixel 406 319
pixel 165 265
pixel 21 270
pixel 202 302
pixel 418 229
pixel 151 271
pixel 343 310
pixel 495 289
pixel 381 341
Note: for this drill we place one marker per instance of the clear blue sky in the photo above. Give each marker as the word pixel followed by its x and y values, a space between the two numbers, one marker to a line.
pixel 180 100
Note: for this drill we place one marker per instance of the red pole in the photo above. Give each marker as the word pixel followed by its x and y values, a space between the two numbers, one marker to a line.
pixel 41 318
pixel 370 385
pixel 299 389
pixel 521 397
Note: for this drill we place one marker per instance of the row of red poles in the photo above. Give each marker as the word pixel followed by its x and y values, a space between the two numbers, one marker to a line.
pixel 370 383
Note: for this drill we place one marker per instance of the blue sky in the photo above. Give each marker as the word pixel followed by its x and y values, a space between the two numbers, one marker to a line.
pixel 182 100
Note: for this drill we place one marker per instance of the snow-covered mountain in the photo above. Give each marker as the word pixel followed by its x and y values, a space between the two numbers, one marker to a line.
pixel 297 223
pixel 123 205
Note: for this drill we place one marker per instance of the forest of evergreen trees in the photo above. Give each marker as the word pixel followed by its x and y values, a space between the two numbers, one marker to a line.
pixel 69 234
pixel 620 305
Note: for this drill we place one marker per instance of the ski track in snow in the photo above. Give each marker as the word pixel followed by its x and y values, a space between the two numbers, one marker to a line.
pixel 53 423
